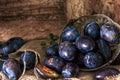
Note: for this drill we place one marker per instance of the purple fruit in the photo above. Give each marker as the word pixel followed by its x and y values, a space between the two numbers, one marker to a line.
pixel 85 44
pixel 70 33
pixel 70 70
pixel 101 74
pixel 93 60
pixel 67 50
pixel 11 68
pixel 12 45
pixel 54 62
pixel 109 33
pixel 92 29
pixel 104 49
pixel 29 57
pixel 52 50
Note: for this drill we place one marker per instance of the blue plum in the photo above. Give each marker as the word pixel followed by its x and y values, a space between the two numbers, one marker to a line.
pixel 29 57
pixel 11 45
pixel 70 70
pixel 54 62
pixel 69 33
pixel 52 50
pixel 67 50
pixel 11 68
pixel 104 49
pixel 101 74
pixel 93 60
pixel 92 29
pixel 109 33
pixel 85 44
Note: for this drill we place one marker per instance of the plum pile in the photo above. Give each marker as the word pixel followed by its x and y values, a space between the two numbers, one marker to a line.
pixel 76 51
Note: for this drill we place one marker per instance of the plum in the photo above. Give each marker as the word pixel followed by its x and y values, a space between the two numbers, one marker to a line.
pixel 11 68
pixel 104 49
pixel 67 50
pixel 101 74
pixel 93 60
pixel 70 70
pixel 52 50
pixel 12 45
pixel 92 29
pixel 85 44
pixel 55 63
pixel 29 57
pixel 69 33
pixel 109 33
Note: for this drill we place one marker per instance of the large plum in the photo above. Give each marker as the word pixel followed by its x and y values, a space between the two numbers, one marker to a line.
pixel 93 60
pixel 70 33
pixel 109 33
pixel 52 50
pixel 85 43
pixel 101 74
pixel 67 50
pixel 104 49
pixel 70 70
pixel 54 62
pixel 92 29
pixel 11 45
pixel 11 68
pixel 29 57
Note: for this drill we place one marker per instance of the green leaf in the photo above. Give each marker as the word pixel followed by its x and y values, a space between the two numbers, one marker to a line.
pixel 43 44
pixel 53 37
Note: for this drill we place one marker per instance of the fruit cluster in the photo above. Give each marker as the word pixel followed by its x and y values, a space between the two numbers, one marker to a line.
pixel 11 67
pixel 76 51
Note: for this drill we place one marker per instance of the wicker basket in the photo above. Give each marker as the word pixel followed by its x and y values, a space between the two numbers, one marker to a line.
pixel 100 19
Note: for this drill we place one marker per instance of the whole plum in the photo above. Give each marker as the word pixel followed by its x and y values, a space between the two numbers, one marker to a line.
pixel 52 50
pixel 67 50
pixel 104 49
pixel 101 74
pixel 70 33
pixel 11 45
pixel 93 60
pixel 11 68
pixel 85 44
pixel 92 29
pixel 70 70
pixel 29 57
pixel 109 33
pixel 54 62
